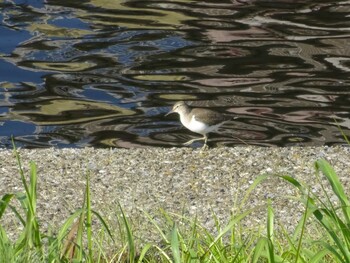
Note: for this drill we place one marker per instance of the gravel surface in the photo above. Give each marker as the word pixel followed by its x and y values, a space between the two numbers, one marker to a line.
pixel 181 180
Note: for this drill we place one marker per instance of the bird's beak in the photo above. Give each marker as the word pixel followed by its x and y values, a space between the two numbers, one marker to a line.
pixel 170 112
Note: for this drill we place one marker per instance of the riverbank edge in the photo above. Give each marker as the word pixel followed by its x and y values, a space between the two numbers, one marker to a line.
pixel 184 181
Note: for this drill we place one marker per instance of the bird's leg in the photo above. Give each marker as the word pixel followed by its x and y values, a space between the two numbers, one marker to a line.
pixel 205 142
pixel 198 139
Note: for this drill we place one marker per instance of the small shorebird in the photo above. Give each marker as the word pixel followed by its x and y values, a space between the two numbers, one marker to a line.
pixel 198 120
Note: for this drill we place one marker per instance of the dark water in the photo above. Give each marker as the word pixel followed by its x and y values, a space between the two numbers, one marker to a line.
pixel 104 72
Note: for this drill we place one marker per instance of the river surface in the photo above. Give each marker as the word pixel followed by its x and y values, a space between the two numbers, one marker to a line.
pixel 103 73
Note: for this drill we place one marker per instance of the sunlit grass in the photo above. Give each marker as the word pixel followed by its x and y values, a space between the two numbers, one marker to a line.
pixel 73 242
pixel 322 234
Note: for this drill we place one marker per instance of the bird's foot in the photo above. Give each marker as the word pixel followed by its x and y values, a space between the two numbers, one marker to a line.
pixel 205 147
pixel 191 141
pixel 198 139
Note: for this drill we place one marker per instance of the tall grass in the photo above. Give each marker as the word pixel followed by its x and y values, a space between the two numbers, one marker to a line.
pixel 73 242
pixel 82 236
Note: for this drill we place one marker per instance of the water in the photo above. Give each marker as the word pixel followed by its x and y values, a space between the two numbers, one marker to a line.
pixel 103 73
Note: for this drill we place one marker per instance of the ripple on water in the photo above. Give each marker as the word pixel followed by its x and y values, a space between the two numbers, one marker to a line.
pixel 104 73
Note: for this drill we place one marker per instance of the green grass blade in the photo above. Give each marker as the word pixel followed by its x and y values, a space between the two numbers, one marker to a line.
pixel 342 132
pixel 270 221
pixel 88 218
pixel 338 224
pixel 131 244
pixel 328 171
pixel 5 200
pixel 292 249
pixel 305 216
pixel 318 256
pixel 64 232
pixel 18 215
pixel 333 251
pixel 237 253
pixel 257 181
pixel 30 237
pixel 270 232
pixel 19 164
pixel 232 222
pixel 32 204
pixel 175 246
pixel 79 233
pixel 309 209
pixel 143 253
pixel 193 250
pixel 104 224
pixel 160 231
pixel 329 225
pixel 219 244
pixel 259 248
pixel 164 254
pixel 33 186
pixel 7 254
pixel 67 224
pixel 292 181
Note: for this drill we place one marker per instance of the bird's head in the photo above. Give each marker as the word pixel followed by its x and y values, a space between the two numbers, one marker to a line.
pixel 178 107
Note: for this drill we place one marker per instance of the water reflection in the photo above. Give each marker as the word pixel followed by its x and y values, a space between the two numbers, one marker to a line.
pixel 103 73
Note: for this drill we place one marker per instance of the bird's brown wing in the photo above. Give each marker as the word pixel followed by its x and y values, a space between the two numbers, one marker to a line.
pixel 208 116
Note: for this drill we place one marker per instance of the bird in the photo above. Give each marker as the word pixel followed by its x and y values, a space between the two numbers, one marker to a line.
pixel 198 120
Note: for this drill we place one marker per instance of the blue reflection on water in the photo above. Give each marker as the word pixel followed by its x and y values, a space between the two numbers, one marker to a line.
pixel 33 3
pixel 10 38
pixel 11 73
pixel 127 56
pixel 68 22
pixel 16 128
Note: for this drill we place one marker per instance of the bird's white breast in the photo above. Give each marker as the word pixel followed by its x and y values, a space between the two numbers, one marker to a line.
pixel 197 126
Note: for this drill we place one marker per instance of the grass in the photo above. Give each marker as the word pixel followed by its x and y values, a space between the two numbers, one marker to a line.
pixel 322 234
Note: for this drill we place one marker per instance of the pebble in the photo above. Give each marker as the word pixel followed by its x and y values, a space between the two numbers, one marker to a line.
pixel 183 181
